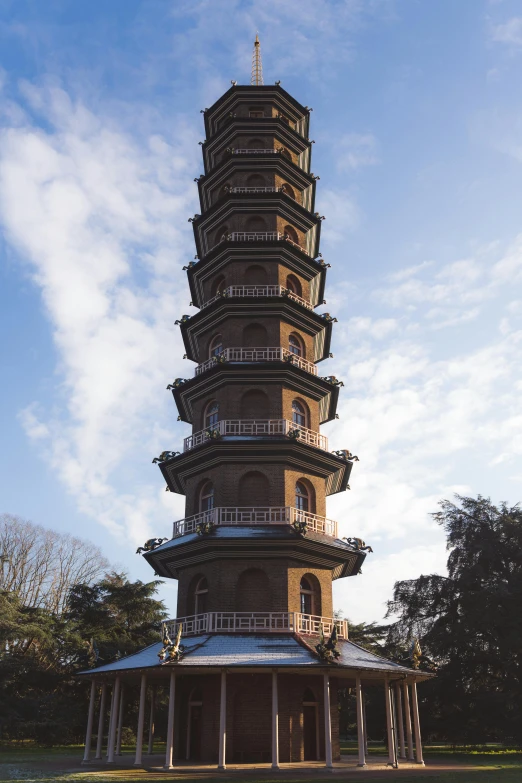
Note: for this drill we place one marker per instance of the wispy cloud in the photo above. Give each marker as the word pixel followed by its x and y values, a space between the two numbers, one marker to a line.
pixel 510 32
pixel 95 213
pixel 356 150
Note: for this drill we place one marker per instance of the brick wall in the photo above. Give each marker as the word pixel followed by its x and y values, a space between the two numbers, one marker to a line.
pixel 249 711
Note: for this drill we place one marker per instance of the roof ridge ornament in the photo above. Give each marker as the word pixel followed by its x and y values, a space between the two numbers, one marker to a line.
pixel 257 65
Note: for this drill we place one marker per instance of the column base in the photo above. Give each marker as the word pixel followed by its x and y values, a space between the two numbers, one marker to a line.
pixel 168 766
pixel 275 766
pixel 420 763
pixel 362 765
pixel 222 769
pixel 137 764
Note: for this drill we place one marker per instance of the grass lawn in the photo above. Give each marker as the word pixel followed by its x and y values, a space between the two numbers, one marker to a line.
pixel 492 765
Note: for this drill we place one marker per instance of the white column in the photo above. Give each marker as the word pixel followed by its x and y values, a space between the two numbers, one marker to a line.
pixel 389 724
pixel 112 730
pixel 400 721
pixel 170 721
pixel 223 722
pixel 327 723
pixel 141 721
pixel 416 724
pixel 90 719
pixel 275 722
pixel 150 746
pixel 111 716
pixel 101 721
pixel 364 723
pixel 360 723
pixel 120 723
pixel 407 717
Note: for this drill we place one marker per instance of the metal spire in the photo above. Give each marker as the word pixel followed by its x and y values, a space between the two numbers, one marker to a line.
pixel 257 65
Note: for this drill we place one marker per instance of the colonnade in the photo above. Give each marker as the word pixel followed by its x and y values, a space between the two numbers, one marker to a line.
pixel 398 715
pixel 398 718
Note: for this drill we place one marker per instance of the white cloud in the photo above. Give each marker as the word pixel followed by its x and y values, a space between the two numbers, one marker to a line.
pixel 363 598
pixel 94 212
pixel 355 150
pixel 342 215
pixel 510 32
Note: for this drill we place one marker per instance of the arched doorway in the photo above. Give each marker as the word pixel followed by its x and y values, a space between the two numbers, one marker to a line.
pixel 194 724
pixel 310 726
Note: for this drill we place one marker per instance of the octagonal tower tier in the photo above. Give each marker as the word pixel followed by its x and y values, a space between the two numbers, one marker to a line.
pixel 256 470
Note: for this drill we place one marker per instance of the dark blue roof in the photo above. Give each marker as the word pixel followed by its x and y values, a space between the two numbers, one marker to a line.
pixel 231 650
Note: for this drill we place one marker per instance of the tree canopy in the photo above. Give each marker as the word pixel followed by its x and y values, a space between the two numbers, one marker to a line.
pixel 469 622
pixel 45 640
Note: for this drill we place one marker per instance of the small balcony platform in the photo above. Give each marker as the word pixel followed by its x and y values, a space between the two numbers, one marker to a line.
pixel 270 515
pixel 257 622
pixel 256 428
pixel 249 355
pixel 258 291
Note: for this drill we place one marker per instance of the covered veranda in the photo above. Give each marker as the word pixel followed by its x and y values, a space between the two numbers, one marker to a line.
pixel 230 656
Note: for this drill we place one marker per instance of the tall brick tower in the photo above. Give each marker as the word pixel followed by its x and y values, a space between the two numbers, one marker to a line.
pixel 255 554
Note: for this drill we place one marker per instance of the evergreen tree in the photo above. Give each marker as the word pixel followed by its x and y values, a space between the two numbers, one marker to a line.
pixel 470 623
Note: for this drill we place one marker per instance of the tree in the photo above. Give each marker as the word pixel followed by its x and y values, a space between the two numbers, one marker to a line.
pixel 470 623
pixel 42 565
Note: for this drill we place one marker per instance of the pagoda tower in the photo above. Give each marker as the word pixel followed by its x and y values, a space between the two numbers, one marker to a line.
pixel 254 658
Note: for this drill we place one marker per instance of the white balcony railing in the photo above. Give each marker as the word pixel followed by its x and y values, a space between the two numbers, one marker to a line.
pixel 229 516
pixel 248 291
pixel 253 427
pixel 257 622
pixel 263 151
pixel 260 236
pixel 257 355
pixel 246 190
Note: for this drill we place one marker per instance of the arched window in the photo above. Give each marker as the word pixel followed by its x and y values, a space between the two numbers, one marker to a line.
pixel 224 190
pixel 294 285
pixel 255 181
pixel 302 496
pixel 290 233
pixel 299 413
pixel 255 336
pixel 254 490
pixel 253 591
pixel 255 223
pixel 289 191
pixel 295 345
pixel 306 596
pixel 254 404
pixel 256 275
pixel 206 497
pixel 256 111
pixel 218 285
pixel 221 234
pixel 255 144
pixel 309 697
pixel 216 346
pixel 200 596
pixel 211 416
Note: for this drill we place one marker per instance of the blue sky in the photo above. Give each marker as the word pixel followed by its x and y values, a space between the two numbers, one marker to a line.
pixel 418 128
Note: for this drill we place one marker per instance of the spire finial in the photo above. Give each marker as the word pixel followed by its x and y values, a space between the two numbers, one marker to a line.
pixel 257 65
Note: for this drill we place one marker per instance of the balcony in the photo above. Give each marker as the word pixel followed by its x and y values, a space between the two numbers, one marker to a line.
pixel 263 151
pixel 260 236
pixel 257 622
pixel 257 355
pixel 248 190
pixel 256 427
pixel 255 291
pixel 228 516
